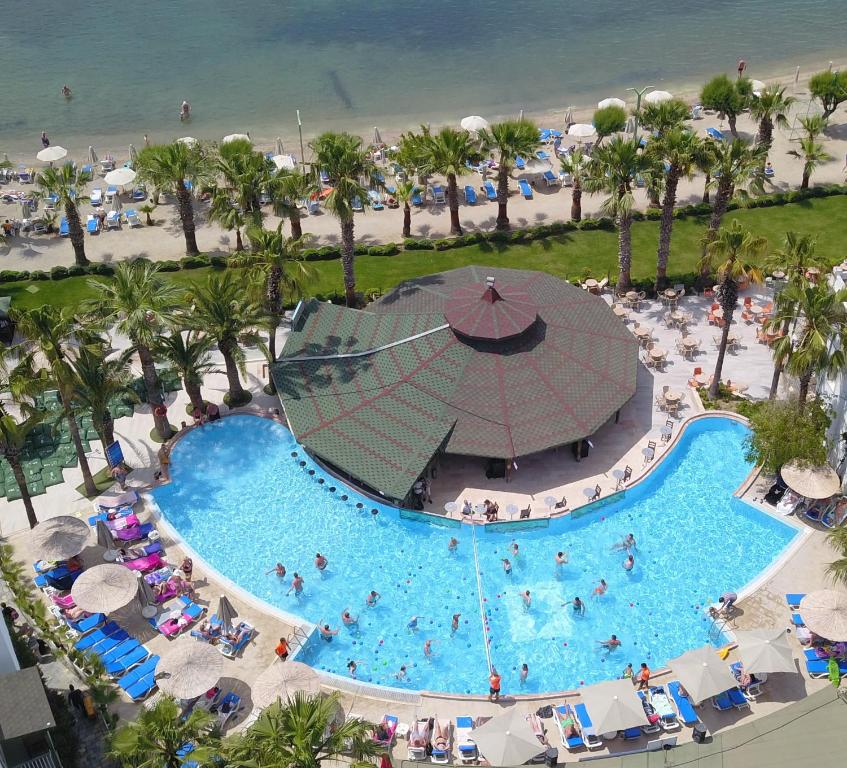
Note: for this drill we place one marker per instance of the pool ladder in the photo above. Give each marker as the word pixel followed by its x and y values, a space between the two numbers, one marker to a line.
pixel 486 640
pixel 716 628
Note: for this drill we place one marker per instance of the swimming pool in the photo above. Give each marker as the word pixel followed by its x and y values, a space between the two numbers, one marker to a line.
pixel 242 502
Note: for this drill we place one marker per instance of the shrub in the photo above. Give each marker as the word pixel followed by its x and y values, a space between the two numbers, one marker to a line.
pixel 360 249
pixel 218 262
pixel 653 214
pixel 498 237
pixel 411 244
pixel 589 224
pixel 75 270
pixel 101 268
pixel 444 245
pixel 58 273
pixel 9 275
pixel 389 249
pixel 169 266
pixel 518 236
pixel 194 262
pixel 333 251
pixel 39 274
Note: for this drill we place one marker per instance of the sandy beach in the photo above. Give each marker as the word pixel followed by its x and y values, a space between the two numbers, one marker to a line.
pixel 164 240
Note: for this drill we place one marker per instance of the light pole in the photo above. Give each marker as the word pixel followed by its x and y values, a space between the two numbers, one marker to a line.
pixel 302 153
pixel 638 95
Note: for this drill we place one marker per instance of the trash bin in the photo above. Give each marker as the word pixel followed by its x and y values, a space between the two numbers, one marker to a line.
pixel 699 733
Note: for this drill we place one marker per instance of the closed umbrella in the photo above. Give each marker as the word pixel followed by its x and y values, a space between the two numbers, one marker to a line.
pixel 120 177
pixel 133 154
pixel 146 598
pixel 104 588
pixel 92 156
pixel 655 97
pixel 377 142
pixel 189 670
pixel 106 540
pixel 235 137
pixel 51 154
pixel 569 117
pixel 474 123
pixel 611 102
pixel 279 681
pixel 764 651
pixel 279 147
pixel 613 705
pixel 702 673
pixel 226 613
pixel 508 739
pixel 812 482
pixel 581 130
pixel 60 537
pixel 825 613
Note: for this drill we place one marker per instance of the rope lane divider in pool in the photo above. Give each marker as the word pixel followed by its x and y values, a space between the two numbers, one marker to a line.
pixel 486 641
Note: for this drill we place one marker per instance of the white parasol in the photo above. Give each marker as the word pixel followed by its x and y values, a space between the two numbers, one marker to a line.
pixel 92 156
pixel 120 177
pixel 236 137
pixel 104 588
pixel 51 154
pixel 508 739
pixel 758 86
pixel 60 538
pixel 284 162
pixel 825 613
pixel 474 123
pixel 279 148
pixel 282 679
pixel 582 130
pixel 613 705
pixel 702 673
pixel 189 670
pixel 611 102
pixel 764 651
pixel 189 141
pixel 811 482
pixel 655 97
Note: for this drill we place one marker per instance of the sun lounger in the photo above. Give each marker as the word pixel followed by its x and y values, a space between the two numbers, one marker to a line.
pixel 119 522
pixel 110 502
pixel 683 704
pixel 97 196
pixel 418 739
pixel 525 188
pixel 550 178
pixel 357 204
pixel 113 220
pixel 324 176
pixel 586 727
pixel 438 195
pixel 92 225
pixel 142 687
pixel 376 200
pixel 793 599
pixel 134 533
pixel 106 644
pixel 562 714
pixel 231 650
pixel 24 177
pixel 820 668
pixel 738 699
pixel 90 640
pixel 470 195
pixel 64 228
pixel 389 724
pixel 520 163
pixel 466 748
pixel 86 625
pixel 132 677
pixel 490 191
pixel 122 665
pixel 797 620
pixel 227 708
pixel 417 198
pixel 723 702
pixel 662 705
pixel 118 651
pixel 542 155
pixel 441 742
pixel 714 133
pixel 139 194
pixel 144 564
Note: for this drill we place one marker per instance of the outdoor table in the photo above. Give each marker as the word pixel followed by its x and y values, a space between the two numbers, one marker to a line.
pixel 550 501
pixel 701 380
pixel 648 453
pixel 666 431
pixel 631 294
pixel 609 736
pixel 672 396
pixel 670 293
pixel 779 275
pixel 643 334
pixel 732 338
pixel 479 509
pixel 450 507
pixel 657 353
pixel 689 342
pixel 620 311
pixel 588 492
pixel 591 283
pixel 755 309
pixel 738 387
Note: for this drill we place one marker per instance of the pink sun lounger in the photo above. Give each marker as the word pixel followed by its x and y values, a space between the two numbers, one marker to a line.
pixel 143 564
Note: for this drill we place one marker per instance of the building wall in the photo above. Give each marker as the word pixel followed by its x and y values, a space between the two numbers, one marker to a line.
pixel 834 392
pixel 8 660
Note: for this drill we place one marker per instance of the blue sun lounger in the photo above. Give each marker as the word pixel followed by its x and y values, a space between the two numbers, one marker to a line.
pixel 793 599
pixel 797 620
pixel 542 155
pixel 525 188
pixel 64 228
pixel 417 199
pixel 686 710
pixel 357 205
pixel 120 650
pixel 470 195
pixel 131 678
pixel 490 191
pixel 569 742
pixel 714 133
pixel 520 163
pixel 106 644
pixel 731 699
pixel 376 200
pixel 818 668
pixel 589 736
pixel 126 662
pixel 88 624
pixel 141 689
pixel 231 650
pixel 550 178
pixel 92 225
pixel 90 640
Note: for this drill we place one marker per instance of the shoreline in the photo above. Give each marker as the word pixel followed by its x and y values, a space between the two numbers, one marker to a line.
pixel 118 144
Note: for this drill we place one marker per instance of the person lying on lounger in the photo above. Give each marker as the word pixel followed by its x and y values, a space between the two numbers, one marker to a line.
pixel 209 632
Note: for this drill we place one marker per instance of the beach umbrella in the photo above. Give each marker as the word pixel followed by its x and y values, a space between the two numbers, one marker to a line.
pixel 809 481
pixel 189 141
pixel 508 739
pixel 236 137
pixel 226 613
pixel 146 597
pixel 25 209
pixel 611 102
pixel 189 670
pixel 60 538
pixel 450 507
pixel 581 130
pixel 825 613
pixel 51 154
pixel 92 156
pixel 655 97
pixel 613 705
pixel 702 673
pixel 104 588
pixel 764 651
pixel 106 540
pixel 377 142
pixel 474 123
pixel 116 203
pixel 281 680
pixel 279 148
pixel 133 154
pixel 120 177
pixel 569 116
pixel 284 162
pixel 758 86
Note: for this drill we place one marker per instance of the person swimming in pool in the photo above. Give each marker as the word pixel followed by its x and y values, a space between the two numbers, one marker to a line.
pixel 527 599
pixel 412 626
pixel 296 585
pixel 427 649
pixel 515 549
pixel 373 598
pixel 453 544
pixel 600 589
pixel 524 674
pixel 347 619
pixel 629 563
pixel 279 569
pixel 610 644
pixel 507 566
pixel 627 542
pixel 321 562
pixel 561 559
pixel 351 668
pixel 454 624
pixel 327 633
pixel 400 674
pixel 578 606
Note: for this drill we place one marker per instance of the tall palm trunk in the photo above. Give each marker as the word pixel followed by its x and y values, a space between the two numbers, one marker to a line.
pixel 453 202
pixel 192 389
pixel 77 235
pixel 407 220
pixel 154 392
pixel 706 195
pixel 239 243
pixel 804 183
pixel 105 427
pixel 803 393
pixel 778 366
pixel 502 197
pixel 666 228
pixel 766 133
pixel 624 253
pixel 296 224
pixel 576 201
pixel 724 192
pixel 236 391
pixel 76 439
pixel 728 300
pixel 186 216
pixel 732 119
pixel 14 460
pixel 347 261
pixel 274 299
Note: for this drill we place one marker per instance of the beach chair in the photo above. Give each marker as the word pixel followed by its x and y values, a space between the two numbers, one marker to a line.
pixel 417 198
pixel 97 196
pixel 662 705
pixel 119 667
pixel 470 195
pixel 90 640
pixel 133 676
pixel 376 200
pixel 441 742
pixel 525 189
pixel 313 206
pixel 714 133
pixel 111 193
pixel 139 194
pixel 418 739
pixel 520 163
pixel 466 748
pixel 542 155
pixel 132 217
pixel 793 599
pixel 550 178
pixel 357 205
pixel 121 649
pixel 105 645
pixel 86 625
pixel 683 704
pixel 231 650
pixel 389 725
pixel 439 197
pixel 113 220
pixel 490 191
pixel 228 708
pixel 141 689
pixel 819 668
pixel 586 727
pixel 324 177
pixel 631 734
pixel 562 713
pixel 92 225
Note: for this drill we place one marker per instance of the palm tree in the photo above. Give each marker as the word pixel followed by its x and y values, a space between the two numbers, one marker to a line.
pixel 404 191
pixel 795 257
pixel 814 125
pixel 167 167
pixel 303 732
pixel 508 139
pixel 157 736
pixel 662 116
pixel 678 149
pixel 13 434
pixel 288 189
pixel 189 356
pixel 837 539
pixel 278 262
pixel 770 108
pixel 813 154
pixel 97 381
pixel 222 310
pixel 447 153
pixel 612 169
pixel 54 331
pixel 817 346
pixel 729 255
pixel 734 165
pixel 223 211
pixel 343 157
pixel 67 183
pixel 139 302
pixel 575 164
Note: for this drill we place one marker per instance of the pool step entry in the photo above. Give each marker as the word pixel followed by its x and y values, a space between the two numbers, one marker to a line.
pixel 486 640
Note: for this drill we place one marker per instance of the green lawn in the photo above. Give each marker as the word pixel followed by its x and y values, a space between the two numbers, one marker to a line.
pixel 566 255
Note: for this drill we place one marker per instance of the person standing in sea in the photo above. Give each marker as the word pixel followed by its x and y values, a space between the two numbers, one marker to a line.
pixel 45 141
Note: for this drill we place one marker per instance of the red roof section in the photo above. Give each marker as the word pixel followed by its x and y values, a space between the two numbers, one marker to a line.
pixel 490 312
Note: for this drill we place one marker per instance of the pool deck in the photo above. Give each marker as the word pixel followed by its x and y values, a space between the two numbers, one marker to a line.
pixel 616 445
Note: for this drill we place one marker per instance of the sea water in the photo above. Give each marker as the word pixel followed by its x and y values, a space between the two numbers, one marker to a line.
pixel 243 502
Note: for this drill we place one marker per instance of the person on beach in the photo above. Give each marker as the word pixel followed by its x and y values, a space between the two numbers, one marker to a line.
pixel 527 599
pixel 187 567
pixel 296 585
pixel 494 685
pixel 742 65
pixel 643 677
pixel 454 624
pixel 45 141
pixel 119 474
pixel 279 569
pixel 282 649
pixel 347 619
pixel 578 606
pixel 727 601
pixel 321 562
pixel 373 598
pixel 453 544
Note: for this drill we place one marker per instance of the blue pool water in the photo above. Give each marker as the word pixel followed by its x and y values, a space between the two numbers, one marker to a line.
pixel 242 502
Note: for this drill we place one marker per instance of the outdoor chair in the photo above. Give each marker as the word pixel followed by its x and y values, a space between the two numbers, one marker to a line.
pixel 525 513
pixel 597 492
pixel 667 435
pixel 650 453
